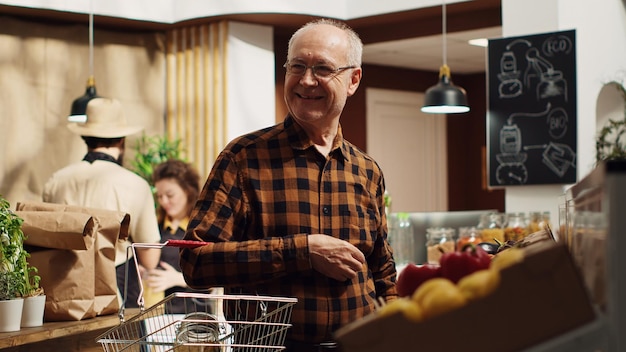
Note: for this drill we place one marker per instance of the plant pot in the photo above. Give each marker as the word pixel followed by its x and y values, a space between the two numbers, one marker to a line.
pixel 11 314
pixel 32 314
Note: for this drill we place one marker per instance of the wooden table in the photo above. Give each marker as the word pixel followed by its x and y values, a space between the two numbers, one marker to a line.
pixel 66 336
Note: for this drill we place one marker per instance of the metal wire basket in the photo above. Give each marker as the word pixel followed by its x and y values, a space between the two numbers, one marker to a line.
pixel 208 322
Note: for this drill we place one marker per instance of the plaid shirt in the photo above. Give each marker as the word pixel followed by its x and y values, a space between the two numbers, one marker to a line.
pixel 267 191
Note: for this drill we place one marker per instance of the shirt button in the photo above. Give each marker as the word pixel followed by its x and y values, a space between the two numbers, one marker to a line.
pixel 326 210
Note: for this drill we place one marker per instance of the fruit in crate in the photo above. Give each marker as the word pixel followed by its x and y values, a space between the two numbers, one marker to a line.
pixel 489 247
pixel 409 308
pixel 412 276
pixel 479 284
pixel 458 264
pixel 507 257
pixel 506 245
pixel 438 296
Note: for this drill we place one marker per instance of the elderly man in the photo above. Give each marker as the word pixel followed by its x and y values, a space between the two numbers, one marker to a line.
pixel 295 209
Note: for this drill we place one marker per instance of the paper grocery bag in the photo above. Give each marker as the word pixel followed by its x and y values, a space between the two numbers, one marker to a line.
pixel 50 229
pixel 111 227
pixel 67 277
pixel 61 245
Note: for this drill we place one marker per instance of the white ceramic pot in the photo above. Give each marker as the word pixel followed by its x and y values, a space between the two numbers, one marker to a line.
pixel 32 314
pixel 11 314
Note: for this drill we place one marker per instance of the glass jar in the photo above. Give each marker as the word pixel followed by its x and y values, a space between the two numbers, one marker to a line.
pixel 534 217
pixel 439 240
pixel 492 230
pixel 516 227
pixel 538 221
pixel 544 223
pixel 401 239
pixel 468 235
pixel 483 221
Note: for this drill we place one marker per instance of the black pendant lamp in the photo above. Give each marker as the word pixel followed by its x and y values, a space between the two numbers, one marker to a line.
pixel 445 97
pixel 79 106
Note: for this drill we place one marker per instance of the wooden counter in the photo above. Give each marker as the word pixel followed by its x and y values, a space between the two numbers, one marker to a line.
pixel 66 336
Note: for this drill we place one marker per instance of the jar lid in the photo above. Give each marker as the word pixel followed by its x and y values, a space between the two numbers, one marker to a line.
pixel 437 232
pixel 466 231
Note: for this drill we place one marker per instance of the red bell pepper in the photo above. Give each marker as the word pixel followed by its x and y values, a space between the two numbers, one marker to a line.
pixel 412 276
pixel 456 265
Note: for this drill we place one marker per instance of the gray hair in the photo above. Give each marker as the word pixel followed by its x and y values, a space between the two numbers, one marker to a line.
pixel 355 45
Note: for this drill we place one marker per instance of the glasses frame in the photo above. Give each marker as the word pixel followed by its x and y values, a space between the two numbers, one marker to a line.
pixel 314 68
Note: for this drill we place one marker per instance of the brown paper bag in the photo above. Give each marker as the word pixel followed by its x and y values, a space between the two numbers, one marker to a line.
pixel 63 246
pixel 111 227
pixel 50 229
pixel 67 277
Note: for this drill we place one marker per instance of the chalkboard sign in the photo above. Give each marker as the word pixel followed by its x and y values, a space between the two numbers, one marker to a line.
pixel 531 117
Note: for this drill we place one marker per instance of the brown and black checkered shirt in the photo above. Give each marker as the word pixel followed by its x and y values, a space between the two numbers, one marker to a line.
pixel 267 191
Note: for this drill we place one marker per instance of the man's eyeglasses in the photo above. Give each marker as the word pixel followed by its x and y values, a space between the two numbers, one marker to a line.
pixel 319 71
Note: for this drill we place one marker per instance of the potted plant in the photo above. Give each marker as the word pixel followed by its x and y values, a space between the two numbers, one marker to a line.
pixel 151 151
pixel 11 279
pixel 19 281
pixel 611 140
pixel 33 294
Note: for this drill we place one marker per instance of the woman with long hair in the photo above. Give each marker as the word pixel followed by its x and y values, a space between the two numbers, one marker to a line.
pixel 177 186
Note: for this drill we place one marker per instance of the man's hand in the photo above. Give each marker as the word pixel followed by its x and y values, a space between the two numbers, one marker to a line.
pixel 335 258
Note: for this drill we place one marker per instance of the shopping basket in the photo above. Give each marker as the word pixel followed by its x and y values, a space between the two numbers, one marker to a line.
pixel 208 322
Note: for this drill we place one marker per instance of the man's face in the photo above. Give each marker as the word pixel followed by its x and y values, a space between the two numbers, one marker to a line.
pixel 311 98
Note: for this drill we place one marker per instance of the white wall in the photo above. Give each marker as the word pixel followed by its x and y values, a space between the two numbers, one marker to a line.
pixel 601 57
pixel 250 78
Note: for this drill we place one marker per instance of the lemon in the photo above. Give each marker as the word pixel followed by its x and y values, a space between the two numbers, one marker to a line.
pixel 428 286
pixel 438 296
pixel 407 307
pixel 479 284
pixel 507 258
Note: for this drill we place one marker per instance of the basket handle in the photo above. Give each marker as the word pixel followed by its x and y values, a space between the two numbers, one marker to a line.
pixel 185 243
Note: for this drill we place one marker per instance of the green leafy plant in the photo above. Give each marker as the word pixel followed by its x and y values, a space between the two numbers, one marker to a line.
pixel 609 142
pixel 151 151
pixel 17 277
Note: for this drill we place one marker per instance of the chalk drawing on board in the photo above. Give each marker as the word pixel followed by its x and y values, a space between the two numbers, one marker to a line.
pixel 511 168
pixel 532 109
pixel 510 84
pixel 551 82
pixel 558 122
pixel 557 157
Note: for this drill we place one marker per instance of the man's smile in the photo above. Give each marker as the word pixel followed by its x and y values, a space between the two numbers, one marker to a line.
pixel 309 97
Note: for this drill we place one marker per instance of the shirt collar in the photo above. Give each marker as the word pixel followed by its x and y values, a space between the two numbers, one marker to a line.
pixel 300 140
pixel 167 224
pixel 93 156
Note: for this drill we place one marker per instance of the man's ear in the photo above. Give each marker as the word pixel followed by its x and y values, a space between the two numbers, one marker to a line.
pixel 355 80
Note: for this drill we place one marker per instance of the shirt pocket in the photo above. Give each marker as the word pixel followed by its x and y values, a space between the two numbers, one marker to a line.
pixel 359 227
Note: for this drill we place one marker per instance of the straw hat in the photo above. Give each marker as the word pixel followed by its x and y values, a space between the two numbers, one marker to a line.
pixel 105 119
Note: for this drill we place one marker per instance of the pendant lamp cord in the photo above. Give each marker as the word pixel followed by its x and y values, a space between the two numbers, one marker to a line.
pixel 443 30
pixel 91 38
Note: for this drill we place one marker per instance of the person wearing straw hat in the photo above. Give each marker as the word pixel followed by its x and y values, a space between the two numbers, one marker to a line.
pixel 100 181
